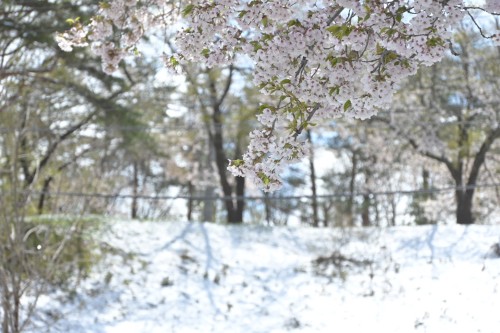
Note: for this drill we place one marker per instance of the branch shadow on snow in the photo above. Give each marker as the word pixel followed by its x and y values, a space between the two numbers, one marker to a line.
pixel 206 249
pixel 428 240
pixel 208 266
pixel 181 236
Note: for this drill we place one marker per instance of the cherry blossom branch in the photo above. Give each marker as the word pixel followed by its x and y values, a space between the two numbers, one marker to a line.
pixel 322 63
pixel 334 16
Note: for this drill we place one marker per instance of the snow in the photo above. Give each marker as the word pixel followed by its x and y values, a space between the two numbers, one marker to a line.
pixel 201 277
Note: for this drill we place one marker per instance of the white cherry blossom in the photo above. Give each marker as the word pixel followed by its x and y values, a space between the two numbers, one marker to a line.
pixel 320 59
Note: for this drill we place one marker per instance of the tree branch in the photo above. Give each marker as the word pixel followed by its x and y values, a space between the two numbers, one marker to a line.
pixel 308 119
pixel 229 81
pixel 334 16
pixel 43 162
pixel 418 149
pixel 481 155
pixel 478 26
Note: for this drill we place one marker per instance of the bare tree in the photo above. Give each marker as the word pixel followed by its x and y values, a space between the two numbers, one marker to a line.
pixel 449 114
pixel 212 90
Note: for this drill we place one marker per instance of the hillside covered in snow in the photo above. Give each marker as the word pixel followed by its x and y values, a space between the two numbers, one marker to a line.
pixel 200 277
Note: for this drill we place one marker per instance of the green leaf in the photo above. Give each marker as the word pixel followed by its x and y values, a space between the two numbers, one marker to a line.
pixel 399 13
pixel 254 2
pixel 263 85
pixel 293 23
pixel 265 21
pixel 402 10
pixel 267 37
pixel 266 106
pixel 285 81
pixel 388 31
pixel 265 179
pixel 173 61
pixel 379 49
pixel 334 90
pixel 334 29
pixel 256 45
pixel 72 21
pixel 187 10
pixel 333 60
pixel 390 56
pixel 435 41
pixel 340 31
pixel 347 105
pixel 205 52
pixel 236 163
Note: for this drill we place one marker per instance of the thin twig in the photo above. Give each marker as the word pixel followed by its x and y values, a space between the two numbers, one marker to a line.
pixel 309 117
pixel 334 16
pixel 478 27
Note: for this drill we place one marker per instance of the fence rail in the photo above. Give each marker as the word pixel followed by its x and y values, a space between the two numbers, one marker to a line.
pixel 265 197
pixel 376 208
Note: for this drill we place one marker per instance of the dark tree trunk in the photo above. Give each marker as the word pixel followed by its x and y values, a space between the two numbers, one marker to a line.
pixel 350 200
pixel 44 194
pixel 190 202
pixel 209 204
pixel 426 184
pixel 5 322
pixel 221 162
pixel 365 206
pixel 464 206
pixel 135 190
pixel 393 212
pixel 314 203
pixel 326 213
pixel 267 205
pixel 240 202
pixel 209 211
pixel 365 212
pixel 234 214
pixel 463 196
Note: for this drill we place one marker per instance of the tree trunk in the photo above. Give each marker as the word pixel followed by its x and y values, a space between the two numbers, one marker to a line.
pixel 426 184
pixel 365 212
pixel 465 197
pixel 326 214
pixel 240 202
pixel 350 200
pixel 267 205
pixel 209 205
pixel 44 194
pixel 5 308
pixel 17 307
pixel 135 190
pixel 315 221
pixel 234 215
pixel 365 206
pixel 190 202
pixel 464 206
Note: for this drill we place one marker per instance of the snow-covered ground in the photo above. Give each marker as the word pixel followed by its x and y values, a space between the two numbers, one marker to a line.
pixel 200 277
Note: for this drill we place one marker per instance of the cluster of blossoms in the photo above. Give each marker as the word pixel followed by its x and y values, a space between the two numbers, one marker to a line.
pixel 320 59
pixel 115 30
